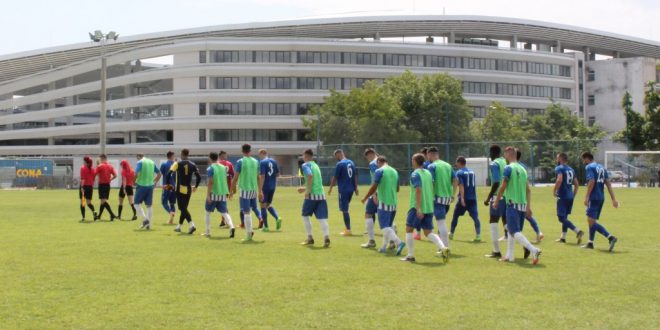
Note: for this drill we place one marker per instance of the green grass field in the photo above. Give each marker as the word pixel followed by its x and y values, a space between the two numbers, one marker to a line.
pixel 59 273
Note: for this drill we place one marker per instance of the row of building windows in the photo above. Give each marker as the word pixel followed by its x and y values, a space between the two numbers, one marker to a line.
pixel 434 61
pixel 481 112
pixel 251 109
pixel 349 83
pixel 240 135
pixel 516 90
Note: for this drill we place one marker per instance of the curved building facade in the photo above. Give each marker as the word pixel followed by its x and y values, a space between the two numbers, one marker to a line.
pixel 225 85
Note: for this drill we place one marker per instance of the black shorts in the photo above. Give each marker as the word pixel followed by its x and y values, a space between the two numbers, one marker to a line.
pixel 104 191
pixel 87 191
pixel 127 191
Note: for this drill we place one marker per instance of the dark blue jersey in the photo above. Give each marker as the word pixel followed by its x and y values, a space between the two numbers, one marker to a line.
pixel 598 174
pixel 164 169
pixel 269 169
pixel 345 172
pixel 468 179
pixel 565 190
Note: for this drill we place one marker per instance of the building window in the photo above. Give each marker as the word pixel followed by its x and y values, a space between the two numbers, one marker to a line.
pixel 591 75
pixel 479 112
pixel 202 82
pixel 202 135
pixel 202 109
pixel 591 100
pixel 592 121
pixel 202 56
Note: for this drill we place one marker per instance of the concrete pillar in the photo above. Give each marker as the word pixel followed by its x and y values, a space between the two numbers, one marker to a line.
pixel 616 54
pixel 587 54
pixel 514 42
pixel 558 47
pixel 452 37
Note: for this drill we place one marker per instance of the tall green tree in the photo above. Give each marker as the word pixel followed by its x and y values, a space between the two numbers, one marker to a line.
pixel 634 135
pixel 500 124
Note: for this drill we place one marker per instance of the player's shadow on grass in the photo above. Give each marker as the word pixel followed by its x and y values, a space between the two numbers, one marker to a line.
pixel 613 252
pixel 252 242
pixel 220 238
pixel 439 263
pixel 469 241
pixel 525 264
pixel 315 248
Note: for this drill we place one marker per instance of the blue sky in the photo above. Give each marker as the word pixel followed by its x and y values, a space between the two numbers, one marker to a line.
pixel 33 24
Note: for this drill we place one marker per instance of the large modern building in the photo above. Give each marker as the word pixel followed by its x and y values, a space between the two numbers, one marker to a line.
pixel 217 87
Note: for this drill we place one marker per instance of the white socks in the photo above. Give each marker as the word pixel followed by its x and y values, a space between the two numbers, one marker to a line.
pixel 563 235
pixel 390 236
pixel 141 212
pixel 410 243
pixel 511 242
pixel 308 226
pixel 443 232
pixel 227 218
pixel 369 223
pixel 325 228
pixel 524 242
pixel 150 213
pixel 207 222
pixel 247 218
pixel 437 241
pixel 495 235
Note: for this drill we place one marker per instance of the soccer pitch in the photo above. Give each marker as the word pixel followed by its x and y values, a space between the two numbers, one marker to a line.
pixel 59 273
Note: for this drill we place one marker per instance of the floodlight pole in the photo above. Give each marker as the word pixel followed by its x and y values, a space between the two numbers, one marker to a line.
pixel 103 118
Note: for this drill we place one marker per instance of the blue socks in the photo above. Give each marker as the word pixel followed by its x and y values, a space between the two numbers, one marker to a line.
pixel 272 212
pixel 454 223
pixel 534 224
pixel 597 227
pixel 264 217
pixel 477 225
pixel 347 220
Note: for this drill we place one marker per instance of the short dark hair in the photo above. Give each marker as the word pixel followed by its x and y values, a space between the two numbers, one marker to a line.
pixel 419 159
pixel 587 155
pixel 369 151
pixel 185 152
pixel 381 159
pixel 222 153
pixel 433 149
pixel 495 150
pixel 518 154
pixel 424 150
pixel 461 160
pixel 169 154
pixel 338 151
pixel 103 156
pixel 213 156
pixel 308 152
pixel 246 148
pixel 563 156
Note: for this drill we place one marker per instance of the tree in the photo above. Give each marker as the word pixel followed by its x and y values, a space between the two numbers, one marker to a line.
pixel 499 125
pixel 642 131
pixel 434 106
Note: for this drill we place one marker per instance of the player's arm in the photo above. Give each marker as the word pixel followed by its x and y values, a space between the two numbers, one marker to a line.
pixel 172 172
pixel 560 179
pixel 209 184
pixel 461 191
pixel 615 203
pixel 333 180
pixel 500 192
pixel 234 181
pixel 198 178
pixel 576 186
pixel 529 200
pixel 114 174
pixel 158 175
pixel 371 191
pixel 355 181
pixel 454 183
pixel 495 184
pixel 418 202
pixel 590 187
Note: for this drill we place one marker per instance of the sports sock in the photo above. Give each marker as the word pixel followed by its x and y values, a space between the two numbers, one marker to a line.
pixel 181 218
pixel 178 226
pixel 511 243
pixel 563 235
pixel 107 206
pixel 207 222
pixel 392 236
pixel 101 209
pixel 273 212
pixel 150 212
pixel 494 235
pixel 433 237
pixel 264 216
pixel 592 232
pixel 191 224
pixel 257 212
pixel 325 228
pixel 242 218
pixel 248 222
pixel 534 224
pixel 347 220
pixel 91 207
pixel 442 232
pixel 477 225
pixel 524 241
pixel 386 237
pixel 227 218
pixel 133 208
pixel 410 243
pixel 454 223
pixel 82 211
pixel 120 208
pixel 369 223
pixel 601 229
pixel 142 214
pixel 308 226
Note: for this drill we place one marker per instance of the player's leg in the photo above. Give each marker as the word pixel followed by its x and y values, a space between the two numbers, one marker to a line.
pixel 209 206
pixel 440 212
pixel 411 224
pixel 131 201
pixel 370 210
pixel 344 206
pixel 514 218
pixel 271 209
pixel 120 207
pixel 257 212
pixel 247 218
pixel 182 215
pixel 473 210
pixel 593 212
pixel 222 208
pixel 140 197
pixel 494 231
pixel 191 225
pixel 88 192
pixel 82 203
pixel 264 215
pixel 427 227
pixel 454 219
pixel 321 213
pixel 535 227
pixel 308 209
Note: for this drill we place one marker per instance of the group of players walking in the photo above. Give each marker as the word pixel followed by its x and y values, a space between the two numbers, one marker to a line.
pixel 433 185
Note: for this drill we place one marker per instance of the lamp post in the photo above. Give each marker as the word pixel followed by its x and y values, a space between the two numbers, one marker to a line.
pixel 102 39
